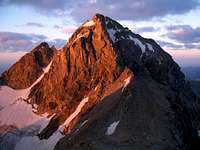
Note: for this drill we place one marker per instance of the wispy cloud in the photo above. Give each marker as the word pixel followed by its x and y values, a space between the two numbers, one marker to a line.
pixel 34 24
pixel 10 41
pixel 170 45
pixel 145 29
pixel 13 42
pixel 183 34
pixel 68 30
pixel 58 43
pixel 133 10
pixel 57 26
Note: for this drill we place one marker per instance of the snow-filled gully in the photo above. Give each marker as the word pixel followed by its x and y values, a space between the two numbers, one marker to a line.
pixel 74 114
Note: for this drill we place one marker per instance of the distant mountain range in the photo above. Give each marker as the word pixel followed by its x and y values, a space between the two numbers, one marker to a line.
pixel 192 73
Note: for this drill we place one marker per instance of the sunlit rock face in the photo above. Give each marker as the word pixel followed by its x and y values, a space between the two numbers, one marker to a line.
pixel 107 88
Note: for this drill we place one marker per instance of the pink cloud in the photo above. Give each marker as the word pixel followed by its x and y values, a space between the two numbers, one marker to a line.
pixel 10 57
pixel 186 57
pixel 68 30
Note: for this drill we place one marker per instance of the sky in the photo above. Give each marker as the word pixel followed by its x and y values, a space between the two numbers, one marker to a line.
pixel 174 24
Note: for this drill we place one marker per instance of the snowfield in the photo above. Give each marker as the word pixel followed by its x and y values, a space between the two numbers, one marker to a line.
pixel 49 144
pixel 16 112
pixel 9 95
pixel 20 114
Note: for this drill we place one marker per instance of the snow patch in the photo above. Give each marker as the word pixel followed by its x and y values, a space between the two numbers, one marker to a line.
pixel 111 32
pixel 89 23
pixel 112 127
pixel 80 36
pixel 45 70
pixel 127 81
pixel 198 131
pixel 84 122
pixel 150 47
pixel 139 43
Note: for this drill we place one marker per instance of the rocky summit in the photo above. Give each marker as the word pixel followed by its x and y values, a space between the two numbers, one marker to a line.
pixel 107 88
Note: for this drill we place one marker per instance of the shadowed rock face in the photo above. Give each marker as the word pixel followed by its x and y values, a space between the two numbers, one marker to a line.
pixel 134 89
pixel 22 74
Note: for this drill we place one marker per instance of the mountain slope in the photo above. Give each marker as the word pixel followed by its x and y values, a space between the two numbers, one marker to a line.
pixel 108 88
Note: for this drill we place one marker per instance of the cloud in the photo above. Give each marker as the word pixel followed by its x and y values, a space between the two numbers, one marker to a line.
pixel 170 45
pixel 32 24
pixel 14 42
pixel 57 26
pixel 183 46
pixel 11 41
pixel 68 30
pixel 45 5
pixel 121 10
pixel 58 43
pixel 183 33
pixel 192 46
pixel 133 10
pixel 145 29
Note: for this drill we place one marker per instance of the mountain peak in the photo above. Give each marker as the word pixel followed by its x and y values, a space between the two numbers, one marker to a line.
pixel 30 67
pixel 42 44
